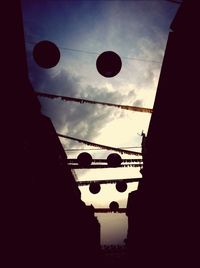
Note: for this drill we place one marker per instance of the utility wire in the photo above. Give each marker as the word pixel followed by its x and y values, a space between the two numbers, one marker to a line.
pixel 123 151
pixel 174 1
pixel 104 166
pixel 75 161
pixel 96 149
pixel 96 53
pixel 107 181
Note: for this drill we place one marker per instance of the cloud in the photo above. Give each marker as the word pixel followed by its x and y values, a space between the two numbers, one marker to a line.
pixel 79 120
pixel 84 121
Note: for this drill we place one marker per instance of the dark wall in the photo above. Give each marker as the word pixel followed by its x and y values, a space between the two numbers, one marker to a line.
pixel 44 222
pixel 163 214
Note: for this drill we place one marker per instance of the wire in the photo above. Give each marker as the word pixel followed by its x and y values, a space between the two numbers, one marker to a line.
pixel 75 161
pixel 89 52
pixel 101 145
pixel 104 166
pixel 96 149
pixel 65 98
pixel 79 50
pixel 107 181
pixel 131 58
pixel 108 210
pixel 96 53
pixel 174 1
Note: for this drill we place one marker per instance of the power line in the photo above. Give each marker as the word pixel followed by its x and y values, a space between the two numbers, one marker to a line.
pixel 137 59
pixel 123 151
pixel 97 149
pixel 107 181
pixel 174 1
pixel 96 53
pixel 104 166
pixel 75 161
pixel 65 98
pixel 78 50
pixel 108 210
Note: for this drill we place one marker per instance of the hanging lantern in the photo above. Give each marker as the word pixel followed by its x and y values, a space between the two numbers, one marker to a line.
pixel 109 64
pixel 121 186
pixel 114 206
pixel 46 54
pixel 114 160
pixel 95 187
pixel 84 159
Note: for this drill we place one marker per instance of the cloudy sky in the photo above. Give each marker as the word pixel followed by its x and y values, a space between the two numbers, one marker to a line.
pixel 137 31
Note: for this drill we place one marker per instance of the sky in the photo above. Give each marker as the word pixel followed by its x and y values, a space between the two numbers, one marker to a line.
pixel 137 31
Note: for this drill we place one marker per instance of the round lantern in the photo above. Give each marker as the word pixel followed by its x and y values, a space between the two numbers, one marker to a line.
pixel 46 54
pixel 114 160
pixel 84 159
pixel 94 188
pixel 121 186
pixel 108 64
pixel 114 206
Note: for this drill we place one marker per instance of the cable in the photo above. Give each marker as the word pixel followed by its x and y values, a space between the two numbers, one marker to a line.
pixel 96 53
pixel 96 149
pixel 75 161
pixel 101 145
pixel 108 210
pixel 89 52
pixel 79 50
pixel 107 181
pixel 131 58
pixel 65 98
pixel 174 1
pixel 104 166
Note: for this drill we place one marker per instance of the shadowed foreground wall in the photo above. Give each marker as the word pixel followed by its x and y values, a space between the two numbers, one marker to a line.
pixel 44 222
pixel 163 214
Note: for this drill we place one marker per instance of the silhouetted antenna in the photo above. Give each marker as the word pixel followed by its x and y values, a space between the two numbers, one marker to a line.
pixel 123 151
pixel 65 98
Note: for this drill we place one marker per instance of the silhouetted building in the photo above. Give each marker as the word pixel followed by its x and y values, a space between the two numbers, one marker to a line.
pixel 94 237
pixel 44 223
pixel 163 227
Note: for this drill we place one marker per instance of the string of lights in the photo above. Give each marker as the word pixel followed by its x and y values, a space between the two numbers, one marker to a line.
pixel 81 101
